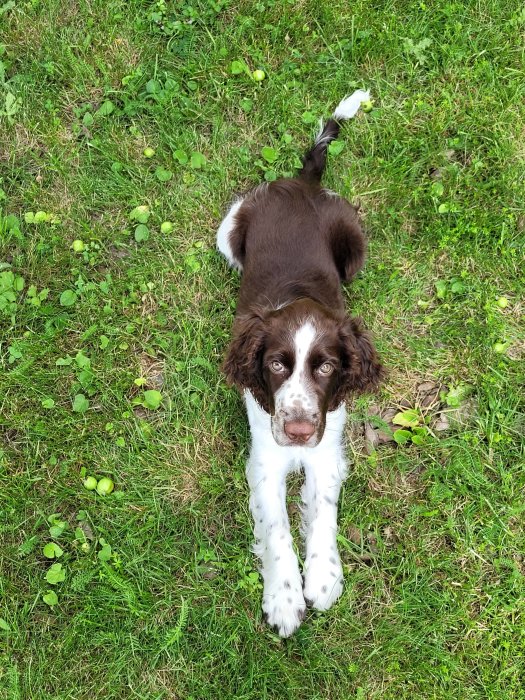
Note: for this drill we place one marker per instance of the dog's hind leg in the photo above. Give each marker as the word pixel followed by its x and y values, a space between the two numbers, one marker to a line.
pixel 230 236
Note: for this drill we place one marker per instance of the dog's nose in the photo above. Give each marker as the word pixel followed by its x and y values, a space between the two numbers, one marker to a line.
pixel 299 430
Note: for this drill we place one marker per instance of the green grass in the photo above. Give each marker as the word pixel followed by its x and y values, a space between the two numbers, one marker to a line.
pixel 432 536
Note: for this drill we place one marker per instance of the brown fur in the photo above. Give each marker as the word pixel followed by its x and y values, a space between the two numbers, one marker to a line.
pixel 296 244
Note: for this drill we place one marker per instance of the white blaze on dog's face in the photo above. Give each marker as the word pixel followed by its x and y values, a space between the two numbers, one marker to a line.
pixel 295 420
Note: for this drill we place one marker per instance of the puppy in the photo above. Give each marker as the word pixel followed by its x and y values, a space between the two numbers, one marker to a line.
pixel 295 355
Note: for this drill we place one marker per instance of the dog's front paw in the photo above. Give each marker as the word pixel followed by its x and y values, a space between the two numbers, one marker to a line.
pixel 323 581
pixel 284 606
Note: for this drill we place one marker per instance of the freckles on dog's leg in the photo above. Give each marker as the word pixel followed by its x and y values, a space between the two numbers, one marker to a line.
pixel 325 470
pixel 283 601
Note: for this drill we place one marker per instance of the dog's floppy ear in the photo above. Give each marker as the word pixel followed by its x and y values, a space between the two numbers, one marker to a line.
pixel 243 363
pixel 362 369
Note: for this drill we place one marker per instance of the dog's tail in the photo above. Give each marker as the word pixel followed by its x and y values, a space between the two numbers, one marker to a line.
pixel 314 160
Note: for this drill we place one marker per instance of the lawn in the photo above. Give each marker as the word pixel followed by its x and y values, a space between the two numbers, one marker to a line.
pixel 110 350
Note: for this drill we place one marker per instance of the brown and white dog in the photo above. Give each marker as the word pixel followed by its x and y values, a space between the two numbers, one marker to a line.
pixel 295 355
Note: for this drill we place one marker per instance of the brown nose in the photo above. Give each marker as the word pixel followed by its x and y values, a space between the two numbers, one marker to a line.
pixel 299 430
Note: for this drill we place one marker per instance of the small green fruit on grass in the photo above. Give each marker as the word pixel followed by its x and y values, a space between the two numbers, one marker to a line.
pixel 502 302
pixel 166 227
pixel 149 152
pixel 499 347
pixel 105 486
pixel 78 246
pixel 90 483
pixel 367 105
pixel 258 75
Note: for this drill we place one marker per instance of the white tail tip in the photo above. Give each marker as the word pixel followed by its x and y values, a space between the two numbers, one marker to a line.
pixel 348 107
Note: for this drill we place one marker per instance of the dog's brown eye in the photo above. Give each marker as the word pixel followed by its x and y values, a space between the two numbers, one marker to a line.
pixel 326 368
pixel 276 366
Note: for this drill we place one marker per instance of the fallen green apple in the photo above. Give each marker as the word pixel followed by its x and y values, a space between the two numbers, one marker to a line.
pixel 105 486
pixel 90 483
pixel 78 245
pixel 166 227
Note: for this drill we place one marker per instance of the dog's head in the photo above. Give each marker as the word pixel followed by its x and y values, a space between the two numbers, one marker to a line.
pixel 299 362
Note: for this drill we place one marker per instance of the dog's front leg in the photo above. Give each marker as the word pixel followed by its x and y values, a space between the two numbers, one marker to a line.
pixel 267 468
pixel 325 469
pixel 283 601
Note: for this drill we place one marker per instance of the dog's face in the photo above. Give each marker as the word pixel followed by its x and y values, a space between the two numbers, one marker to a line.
pixel 300 362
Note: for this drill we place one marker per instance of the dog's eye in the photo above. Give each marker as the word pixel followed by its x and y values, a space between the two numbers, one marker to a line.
pixel 276 366
pixel 325 369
